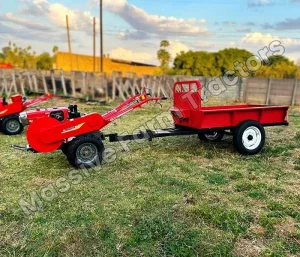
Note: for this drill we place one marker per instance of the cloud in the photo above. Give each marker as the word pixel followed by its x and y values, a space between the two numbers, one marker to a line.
pixel 177 47
pixel 56 14
pixel 135 35
pixel 265 39
pixel 229 23
pixel 288 24
pixel 125 54
pixel 35 7
pixel 8 17
pixel 28 34
pixel 259 3
pixel 153 24
pixel 246 30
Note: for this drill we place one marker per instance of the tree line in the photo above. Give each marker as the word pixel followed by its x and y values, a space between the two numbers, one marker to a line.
pixel 26 58
pixel 213 64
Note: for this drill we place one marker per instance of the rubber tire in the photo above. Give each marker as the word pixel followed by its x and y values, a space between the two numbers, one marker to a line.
pixel 64 148
pixel 238 137
pixel 77 142
pixel 219 138
pixel 7 119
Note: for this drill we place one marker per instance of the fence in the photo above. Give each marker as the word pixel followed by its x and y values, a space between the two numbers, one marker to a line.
pixel 98 86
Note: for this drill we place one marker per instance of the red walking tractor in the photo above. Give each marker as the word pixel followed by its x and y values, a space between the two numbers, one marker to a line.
pixel 80 139
pixel 9 112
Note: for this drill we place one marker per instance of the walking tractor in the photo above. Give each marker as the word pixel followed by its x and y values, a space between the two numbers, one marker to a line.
pixel 9 112
pixel 80 139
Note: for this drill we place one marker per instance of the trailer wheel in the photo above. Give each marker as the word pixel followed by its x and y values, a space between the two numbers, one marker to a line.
pixel 249 138
pixel 11 125
pixel 85 151
pixel 214 136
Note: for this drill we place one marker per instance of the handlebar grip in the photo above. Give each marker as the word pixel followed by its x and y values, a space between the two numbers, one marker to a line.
pixel 164 98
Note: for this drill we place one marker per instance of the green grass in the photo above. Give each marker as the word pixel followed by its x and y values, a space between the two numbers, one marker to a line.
pixel 169 197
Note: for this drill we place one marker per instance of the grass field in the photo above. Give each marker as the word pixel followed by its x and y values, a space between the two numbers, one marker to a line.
pixel 170 197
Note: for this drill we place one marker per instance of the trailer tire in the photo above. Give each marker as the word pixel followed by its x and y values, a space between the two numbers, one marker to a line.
pixel 85 151
pixel 11 125
pixel 213 137
pixel 249 137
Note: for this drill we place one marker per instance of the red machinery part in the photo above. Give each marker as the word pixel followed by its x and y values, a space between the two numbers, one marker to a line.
pixel 47 134
pixel 35 132
pixel 5 66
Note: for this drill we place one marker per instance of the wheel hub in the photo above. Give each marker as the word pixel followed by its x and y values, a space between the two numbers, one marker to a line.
pixel 86 153
pixel 252 138
pixel 13 126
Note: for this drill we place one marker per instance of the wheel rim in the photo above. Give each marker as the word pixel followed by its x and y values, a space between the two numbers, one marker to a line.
pixel 13 126
pixel 252 138
pixel 86 153
pixel 212 136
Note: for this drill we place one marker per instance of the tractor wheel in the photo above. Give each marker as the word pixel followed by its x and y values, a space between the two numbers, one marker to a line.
pixel 214 136
pixel 11 125
pixel 64 148
pixel 85 151
pixel 249 138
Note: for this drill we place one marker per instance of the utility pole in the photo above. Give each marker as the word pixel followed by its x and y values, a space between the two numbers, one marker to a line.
pixel 69 41
pixel 101 36
pixel 94 45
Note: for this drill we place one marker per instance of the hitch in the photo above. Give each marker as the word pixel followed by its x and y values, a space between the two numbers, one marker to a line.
pixel 26 148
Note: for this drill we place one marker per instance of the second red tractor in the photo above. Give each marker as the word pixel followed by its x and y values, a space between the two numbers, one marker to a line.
pixel 9 112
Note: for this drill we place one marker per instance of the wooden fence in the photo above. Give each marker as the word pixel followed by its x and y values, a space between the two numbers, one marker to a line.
pixel 98 86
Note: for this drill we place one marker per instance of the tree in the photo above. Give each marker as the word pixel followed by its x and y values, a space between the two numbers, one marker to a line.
pixel 164 44
pixel 227 58
pixel 279 67
pixel 44 61
pixel 55 49
pixel 163 55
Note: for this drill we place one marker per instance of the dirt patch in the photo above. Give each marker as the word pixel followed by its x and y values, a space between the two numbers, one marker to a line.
pixel 287 228
pixel 248 248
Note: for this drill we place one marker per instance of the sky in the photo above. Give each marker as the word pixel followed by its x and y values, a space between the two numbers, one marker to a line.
pixel 133 29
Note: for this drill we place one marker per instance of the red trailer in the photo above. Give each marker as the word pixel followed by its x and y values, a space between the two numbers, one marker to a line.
pixel 79 137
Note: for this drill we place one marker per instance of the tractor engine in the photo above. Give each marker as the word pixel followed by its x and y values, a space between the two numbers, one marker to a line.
pixel 60 114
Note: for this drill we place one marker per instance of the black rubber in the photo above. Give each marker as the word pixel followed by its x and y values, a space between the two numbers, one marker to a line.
pixel 219 138
pixel 79 141
pixel 5 122
pixel 238 137
pixel 64 148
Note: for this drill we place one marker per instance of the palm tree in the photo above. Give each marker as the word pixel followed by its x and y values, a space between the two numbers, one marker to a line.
pixel 164 43
pixel 55 49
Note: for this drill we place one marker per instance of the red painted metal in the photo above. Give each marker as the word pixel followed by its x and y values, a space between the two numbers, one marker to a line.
pixel 5 66
pixel 47 134
pixel 42 113
pixel 18 105
pixel 189 112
